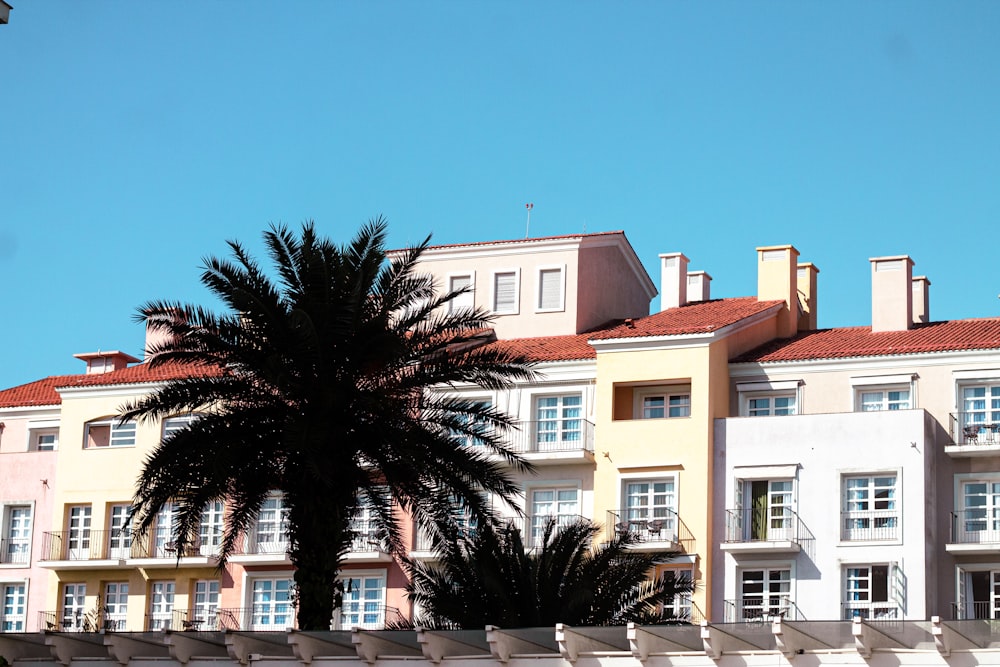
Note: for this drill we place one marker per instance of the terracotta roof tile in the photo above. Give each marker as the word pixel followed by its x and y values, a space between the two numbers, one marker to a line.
pixel 550 348
pixel 43 392
pixel 693 318
pixel 948 336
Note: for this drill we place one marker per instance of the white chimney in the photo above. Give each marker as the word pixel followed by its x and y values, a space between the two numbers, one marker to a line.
pixel 673 280
pixel 699 286
pixel 892 293
pixel 921 300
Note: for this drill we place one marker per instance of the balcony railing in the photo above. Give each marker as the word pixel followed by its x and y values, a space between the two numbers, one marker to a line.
pixel 976 526
pixel 871 525
pixel 645 524
pixel 761 608
pixel 768 524
pixel 975 611
pixel 368 536
pixel 560 435
pixel 872 611
pixel 976 428
pixel 167 620
pixel 88 544
pixel 14 552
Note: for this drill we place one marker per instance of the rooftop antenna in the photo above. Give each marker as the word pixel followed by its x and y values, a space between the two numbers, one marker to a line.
pixel 527 225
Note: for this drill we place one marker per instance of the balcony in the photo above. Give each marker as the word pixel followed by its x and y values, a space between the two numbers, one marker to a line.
pixel 871 611
pixel 975 611
pixel 261 549
pixel 553 442
pixel 98 549
pixel 775 530
pixel 652 528
pixel 762 608
pixel 15 552
pixel 369 543
pixel 975 531
pixel 974 434
pixel 869 526
pixel 531 529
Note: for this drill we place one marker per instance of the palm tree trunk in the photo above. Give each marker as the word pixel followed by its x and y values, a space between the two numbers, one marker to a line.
pixel 318 548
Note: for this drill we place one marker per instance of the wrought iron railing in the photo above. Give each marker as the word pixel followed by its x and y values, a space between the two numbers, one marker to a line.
pixel 173 619
pixel 115 545
pixel 368 536
pixel 556 435
pixel 761 608
pixel 870 525
pixel 644 524
pixel 762 524
pixel 15 552
pixel 975 611
pixel 976 428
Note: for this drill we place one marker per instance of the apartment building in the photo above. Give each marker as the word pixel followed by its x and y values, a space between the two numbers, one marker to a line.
pixel 858 469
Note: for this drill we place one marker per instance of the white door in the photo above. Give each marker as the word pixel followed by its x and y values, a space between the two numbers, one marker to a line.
pixel 78 535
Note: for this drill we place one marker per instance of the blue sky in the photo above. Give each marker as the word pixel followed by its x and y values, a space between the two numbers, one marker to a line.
pixel 137 137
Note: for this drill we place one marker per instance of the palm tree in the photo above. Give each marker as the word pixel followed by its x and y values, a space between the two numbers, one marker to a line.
pixel 318 383
pixel 487 577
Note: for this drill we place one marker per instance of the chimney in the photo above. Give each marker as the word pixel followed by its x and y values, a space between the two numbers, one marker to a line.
pixel 673 280
pixel 105 362
pixel 806 284
pixel 921 300
pixel 699 286
pixel 777 280
pixel 892 293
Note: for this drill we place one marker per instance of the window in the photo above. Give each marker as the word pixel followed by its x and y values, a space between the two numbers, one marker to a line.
pixel 766 399
pixel 161 605
pixel 650 510
pixel 365 527
pixel 870 508
pixel 272 604
pixel 763 510
pixel 119 532
pixel 466 299
pixel 980 416
pixel 174 424
pixel 109 433
pixel 364 602
pixel 551 288
pixel 764 406
pixel 272 526
pixel 465 438
pixel 505 292
pixel 115 605
pixel 206 604
pixel 874 400
pixel 164 537
pixel 78 535
pixel 210 529
pixel 17 542
pixel 870 592
pixel 74 611
pixel 560 505
pixel 558 422
pixel 678 607
pixel 12 607
pixel 978 595
pixel 42 439
pixel 660 405
pixel 978 520
pixel 764 594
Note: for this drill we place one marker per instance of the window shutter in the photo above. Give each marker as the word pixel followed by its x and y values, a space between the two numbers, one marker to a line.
pixel 465 300
pixel 504 292
pixel 550 289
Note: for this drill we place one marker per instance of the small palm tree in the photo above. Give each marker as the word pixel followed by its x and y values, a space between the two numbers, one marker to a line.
pixel 487 577
pixel 318 383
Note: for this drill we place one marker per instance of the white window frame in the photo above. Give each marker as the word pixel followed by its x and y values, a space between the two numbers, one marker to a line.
pixel 641 519
pixel 119 531
pixel 210 528
pixel 164 537
pixel 561 306
pixel 978 425
pixel 173 424
pixel 205 602
pixel 967 607
pixel 467 440
pixel 361 609
pixel 516 308
pixel 16 548
pixel 890 609
pixel 162 597
pixel 773 603
pixel 884 384
pixel 119 435
pixel 78 531
pixel 273 609
pixel 48 429
pixel 563 424
pixel 750 391
pixel 676 401
pixel 115 607
pixel 72 606
pixel 862 525
pixel 276 542
pixel 457 303
pixel 680 607
pixel 10 618
pixel 779 520
pixel 535 522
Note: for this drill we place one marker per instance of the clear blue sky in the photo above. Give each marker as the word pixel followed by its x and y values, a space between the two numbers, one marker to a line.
pixel 136 137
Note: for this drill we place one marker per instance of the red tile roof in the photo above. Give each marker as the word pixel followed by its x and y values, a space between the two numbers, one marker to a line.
pixel 550 348
pixel 43 392
pixel 693 318
pixel 948 336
